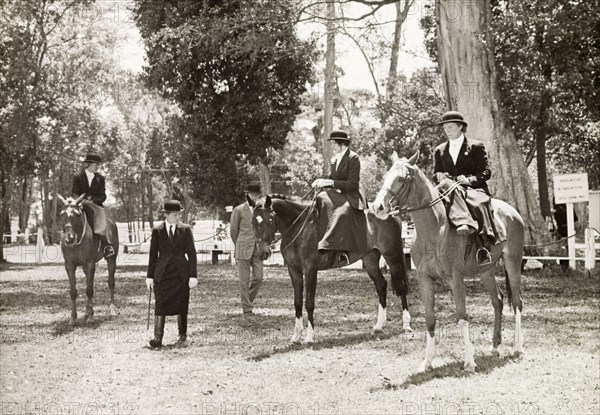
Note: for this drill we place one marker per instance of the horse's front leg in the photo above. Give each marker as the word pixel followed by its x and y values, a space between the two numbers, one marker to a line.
pixel 459 294
pixel 426 287
pixel 298 284
pixel 311 288
pixel 89 270
pixel 371 262
pixel 400 285
pixel 72 292
pixel 112 267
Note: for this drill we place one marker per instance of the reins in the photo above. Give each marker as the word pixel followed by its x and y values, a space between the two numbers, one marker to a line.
pixel 85 226
pixel 438 199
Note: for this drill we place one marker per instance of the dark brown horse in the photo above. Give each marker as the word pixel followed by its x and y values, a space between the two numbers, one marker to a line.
pixel 81 247
pixel 299 224
pixel 441 254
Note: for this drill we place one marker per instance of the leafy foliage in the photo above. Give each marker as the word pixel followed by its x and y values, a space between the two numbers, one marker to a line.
pixel 237 70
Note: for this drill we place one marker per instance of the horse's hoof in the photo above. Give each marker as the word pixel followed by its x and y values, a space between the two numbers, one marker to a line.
pixel 72 322
pixel 518 353
pixel 407 328
pixel 309 340
pixel 113 311
pixel 495 352
pixel 377 331
pixel 424 367
pixel 470 367
pixel 88 318
pixel 295 340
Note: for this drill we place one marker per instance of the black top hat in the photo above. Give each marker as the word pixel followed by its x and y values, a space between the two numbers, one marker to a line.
pixel 452 116
pixel 252 188
pixel 339 135
pixel 92 158
pixel 171 206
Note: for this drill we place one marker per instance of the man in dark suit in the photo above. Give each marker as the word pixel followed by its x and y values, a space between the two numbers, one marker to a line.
pixel 93 185
pixel 465 161
pixel 344 200
pixel 250 265
pixel 170 273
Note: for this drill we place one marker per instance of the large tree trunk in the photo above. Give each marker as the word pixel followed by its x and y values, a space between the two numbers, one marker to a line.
pixel 466 59
pixel 25 202
pixel 329 87
pixel 265 178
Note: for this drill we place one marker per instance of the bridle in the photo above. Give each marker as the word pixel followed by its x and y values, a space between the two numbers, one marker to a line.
pixel 396 195
pixel 85 227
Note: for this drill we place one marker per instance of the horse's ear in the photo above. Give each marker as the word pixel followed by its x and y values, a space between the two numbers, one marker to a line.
pixel 250 201
pixel 394 157
pixel 63 200
pixel 414 158
pixel 79 199
pixel 268 202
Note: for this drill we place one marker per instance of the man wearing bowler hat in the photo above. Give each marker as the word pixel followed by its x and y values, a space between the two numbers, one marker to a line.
pixel 170 273
pixel 250 265
pixel 465 161
pixel 92 184
pixel 344 224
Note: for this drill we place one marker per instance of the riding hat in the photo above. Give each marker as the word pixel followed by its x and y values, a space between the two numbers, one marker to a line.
pixel 452 116
pixel 252 188
pixel 339 135
pixel 171 206
pixel 92 158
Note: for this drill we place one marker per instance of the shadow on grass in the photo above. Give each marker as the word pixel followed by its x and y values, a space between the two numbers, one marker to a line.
pixel 63 326
pixel 327 343
pixel 485 365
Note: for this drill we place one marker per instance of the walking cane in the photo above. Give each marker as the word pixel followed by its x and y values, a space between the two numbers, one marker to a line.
pixel 149 300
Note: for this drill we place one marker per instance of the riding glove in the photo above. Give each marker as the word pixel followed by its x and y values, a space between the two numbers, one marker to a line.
pixel 149 283
pixel 193 282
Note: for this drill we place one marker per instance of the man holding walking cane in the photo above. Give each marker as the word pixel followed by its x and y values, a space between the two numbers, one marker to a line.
pixel 170 274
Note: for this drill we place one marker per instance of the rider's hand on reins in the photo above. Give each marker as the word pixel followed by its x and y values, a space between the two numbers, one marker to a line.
pixel 322 183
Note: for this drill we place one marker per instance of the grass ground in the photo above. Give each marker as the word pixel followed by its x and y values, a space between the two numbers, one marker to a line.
pixel 233 366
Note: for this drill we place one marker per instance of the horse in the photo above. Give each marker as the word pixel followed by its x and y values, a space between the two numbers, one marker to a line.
pixel 299 224
pixel 439 253
pixel 81 247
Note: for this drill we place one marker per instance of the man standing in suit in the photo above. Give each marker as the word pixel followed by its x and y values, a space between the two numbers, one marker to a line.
pixel 344 201
pixel 465 161
pixel 92 184
pixel 170 273
pixel 250 266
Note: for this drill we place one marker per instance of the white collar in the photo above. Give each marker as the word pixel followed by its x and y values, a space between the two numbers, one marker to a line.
pixel 457 142
pixel 88 174
pixel 167 224
pixel 338 157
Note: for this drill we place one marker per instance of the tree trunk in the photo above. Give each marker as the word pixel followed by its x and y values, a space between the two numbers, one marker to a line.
pixel 329 87
pixel 466 59
pixel 25 202
pixel 265 178
pixel 401 15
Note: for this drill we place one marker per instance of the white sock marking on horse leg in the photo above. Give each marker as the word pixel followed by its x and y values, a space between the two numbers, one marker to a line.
pixel 310 334
pixel 406 321
pixel 518 333
pixel 298 327
pixel 470 365
pixel 429 353
pixel 381 319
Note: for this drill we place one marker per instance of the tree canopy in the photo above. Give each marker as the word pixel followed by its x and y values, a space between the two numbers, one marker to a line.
pixel 237 69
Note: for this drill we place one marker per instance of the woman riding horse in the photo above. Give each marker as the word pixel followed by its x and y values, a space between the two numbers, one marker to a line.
pixel 465 161
pixel 342 223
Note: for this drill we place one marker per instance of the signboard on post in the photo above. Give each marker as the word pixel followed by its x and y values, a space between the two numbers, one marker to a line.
pixel 569 189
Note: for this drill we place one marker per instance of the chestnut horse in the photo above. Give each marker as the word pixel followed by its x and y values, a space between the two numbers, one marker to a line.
pixel 441 254
pixel 81 247
pixel 299 226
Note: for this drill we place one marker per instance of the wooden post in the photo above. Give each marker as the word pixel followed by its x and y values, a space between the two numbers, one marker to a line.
pixel 39 247
pixel 590 250
pixel 571 231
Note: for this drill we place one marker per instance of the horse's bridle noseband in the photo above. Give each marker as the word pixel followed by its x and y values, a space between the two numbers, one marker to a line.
pixel 68 225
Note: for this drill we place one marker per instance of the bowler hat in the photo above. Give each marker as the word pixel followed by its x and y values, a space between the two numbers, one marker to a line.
pixel 92 158
pixel 252 188
pixel 339 135
pixel 171 206
pixel 452 116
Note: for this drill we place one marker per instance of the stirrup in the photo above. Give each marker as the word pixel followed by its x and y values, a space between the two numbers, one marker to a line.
pixel 486 257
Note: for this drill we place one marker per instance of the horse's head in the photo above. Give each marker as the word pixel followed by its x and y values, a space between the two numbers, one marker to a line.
pixel 72 220
pixel 263 222
pixel 396 185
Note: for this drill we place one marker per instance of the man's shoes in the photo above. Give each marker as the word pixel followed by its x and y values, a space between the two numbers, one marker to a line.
pixel 159 331
pixel 344 260
pixel 109 251
pixel 181 341
pixel 465 230
pixel 483 257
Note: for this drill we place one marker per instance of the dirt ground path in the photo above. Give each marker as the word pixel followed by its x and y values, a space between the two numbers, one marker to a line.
pixel 235 367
